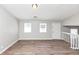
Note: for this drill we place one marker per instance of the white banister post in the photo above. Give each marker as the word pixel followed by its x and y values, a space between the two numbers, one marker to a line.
pixel 74 40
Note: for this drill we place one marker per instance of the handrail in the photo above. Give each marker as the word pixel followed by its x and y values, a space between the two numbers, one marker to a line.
pixel 73 39
pixel 70 33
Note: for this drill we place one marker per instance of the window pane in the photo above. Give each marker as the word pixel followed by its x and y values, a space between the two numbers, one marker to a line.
pixel 43 27
pixel 27 27
pixel 74 31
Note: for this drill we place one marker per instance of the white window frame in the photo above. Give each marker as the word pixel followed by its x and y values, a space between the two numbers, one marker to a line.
pixel 27 27
pixel 43 27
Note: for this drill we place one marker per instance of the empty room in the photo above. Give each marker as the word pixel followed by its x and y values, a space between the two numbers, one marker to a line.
pixel 39 29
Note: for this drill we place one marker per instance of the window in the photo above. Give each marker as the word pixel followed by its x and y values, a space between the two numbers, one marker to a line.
pixel 43 27
pixel 27 27
pixel 74 31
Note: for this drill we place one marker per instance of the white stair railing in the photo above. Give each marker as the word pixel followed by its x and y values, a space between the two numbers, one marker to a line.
pixel 73 39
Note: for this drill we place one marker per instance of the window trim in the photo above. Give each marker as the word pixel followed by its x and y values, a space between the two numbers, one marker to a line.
pixel 45 27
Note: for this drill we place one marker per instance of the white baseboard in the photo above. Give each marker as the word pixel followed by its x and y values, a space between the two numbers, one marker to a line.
pixel 8 47
pixel 38 39
pixel 27 39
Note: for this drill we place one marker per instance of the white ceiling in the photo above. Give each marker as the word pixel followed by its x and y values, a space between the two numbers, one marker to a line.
pixel 43 12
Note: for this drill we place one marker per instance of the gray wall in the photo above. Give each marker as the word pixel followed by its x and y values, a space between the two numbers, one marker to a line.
pixel 35 34
pixel 65 36
pixel 56 30
pixel 35 30
pixel 8 29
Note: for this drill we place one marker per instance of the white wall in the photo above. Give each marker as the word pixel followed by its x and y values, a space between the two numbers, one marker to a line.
pixel 35 34
pixel 72 21
pixel 8 29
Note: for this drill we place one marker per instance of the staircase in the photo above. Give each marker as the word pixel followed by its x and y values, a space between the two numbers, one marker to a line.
pixel 73 39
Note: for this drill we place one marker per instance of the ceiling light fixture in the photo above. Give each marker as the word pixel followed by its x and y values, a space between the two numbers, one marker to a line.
pixel 34 5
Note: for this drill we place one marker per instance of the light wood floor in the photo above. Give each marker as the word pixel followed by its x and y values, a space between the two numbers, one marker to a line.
pixel 41 47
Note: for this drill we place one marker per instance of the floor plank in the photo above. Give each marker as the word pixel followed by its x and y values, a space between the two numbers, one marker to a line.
pixel 41 47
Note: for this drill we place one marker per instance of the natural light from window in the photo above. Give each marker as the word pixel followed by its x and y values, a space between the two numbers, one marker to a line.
pixel 27 27
pixel 43 27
